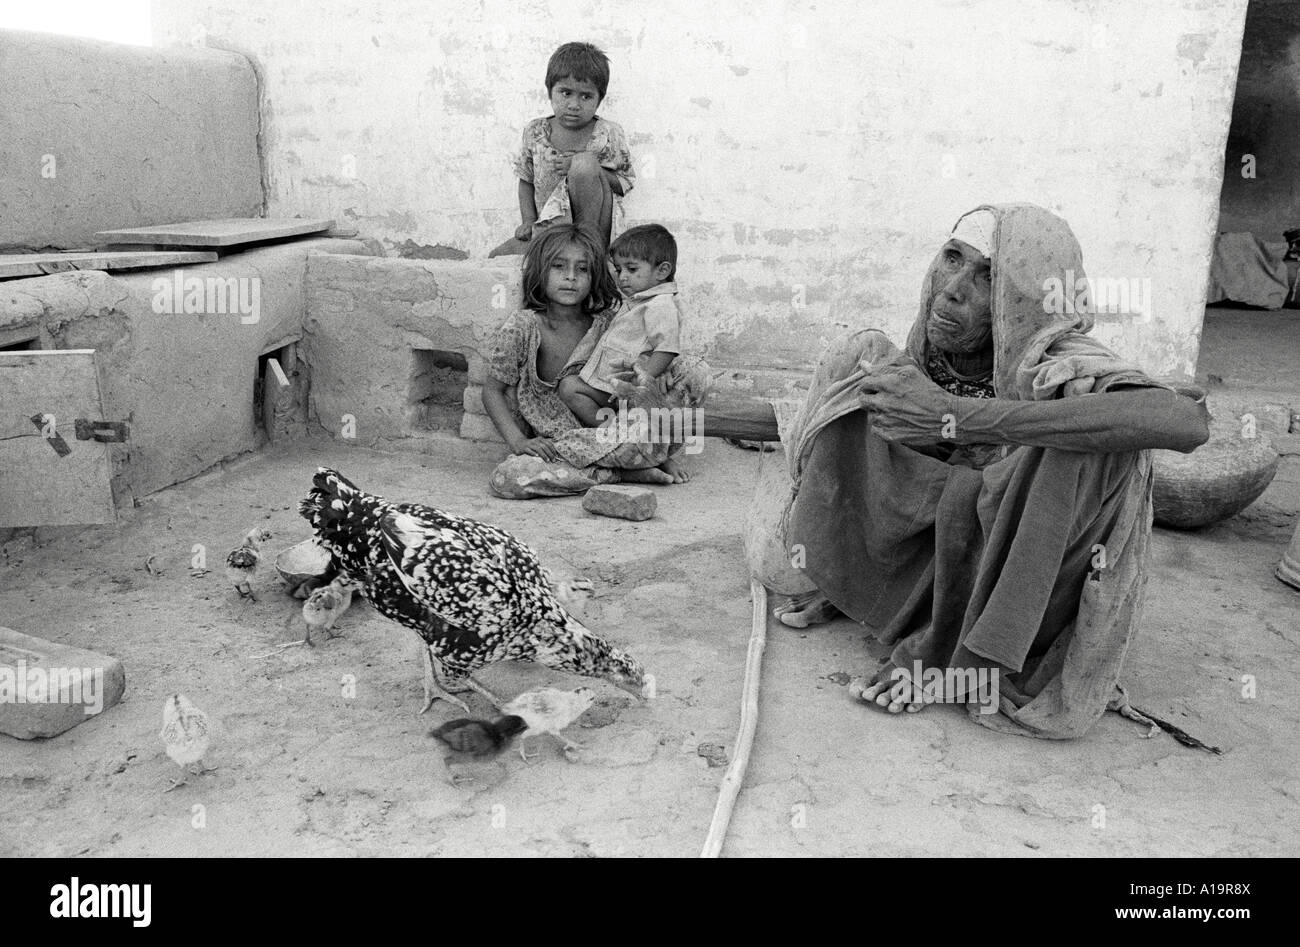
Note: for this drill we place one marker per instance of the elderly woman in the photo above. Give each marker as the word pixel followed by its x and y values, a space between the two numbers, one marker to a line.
pixel 981 499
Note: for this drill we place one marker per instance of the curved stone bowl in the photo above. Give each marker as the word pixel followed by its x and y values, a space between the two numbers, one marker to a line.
pixel 300 564
pixel 1217 480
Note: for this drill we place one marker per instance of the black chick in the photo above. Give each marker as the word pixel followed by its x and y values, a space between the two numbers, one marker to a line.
pixel 469 740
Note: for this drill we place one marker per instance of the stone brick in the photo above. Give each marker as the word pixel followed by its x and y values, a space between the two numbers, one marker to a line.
pixel 479 427
pixel 87 684
pixel 474 399
pixel 623 502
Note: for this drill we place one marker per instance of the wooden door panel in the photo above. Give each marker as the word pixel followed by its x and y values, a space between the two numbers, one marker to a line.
pixel 47 476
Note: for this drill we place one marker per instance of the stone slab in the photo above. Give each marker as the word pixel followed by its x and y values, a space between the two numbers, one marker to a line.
pixel 43 264
pixel 47 688
pixel 228 232
pixel 626 503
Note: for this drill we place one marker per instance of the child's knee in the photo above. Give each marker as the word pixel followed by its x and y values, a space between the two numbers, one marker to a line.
pixel 568 387
pixel 585 165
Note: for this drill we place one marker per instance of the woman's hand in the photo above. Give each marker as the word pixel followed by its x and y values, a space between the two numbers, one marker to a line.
pixel 524 231
pixel 537 447
pixel 907 407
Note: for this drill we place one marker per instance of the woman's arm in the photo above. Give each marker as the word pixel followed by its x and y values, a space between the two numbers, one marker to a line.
pixel 909 408
pixel 1125 420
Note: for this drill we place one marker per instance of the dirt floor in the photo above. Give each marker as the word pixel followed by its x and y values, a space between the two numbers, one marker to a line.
pixel 300 768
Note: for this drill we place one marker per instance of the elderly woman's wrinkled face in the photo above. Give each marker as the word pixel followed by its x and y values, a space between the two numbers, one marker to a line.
pixel 960 313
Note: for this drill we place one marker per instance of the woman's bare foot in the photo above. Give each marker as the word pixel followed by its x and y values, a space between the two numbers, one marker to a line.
pixel 892 688
pixel 810 608
pixel 675 469
pixel 649 475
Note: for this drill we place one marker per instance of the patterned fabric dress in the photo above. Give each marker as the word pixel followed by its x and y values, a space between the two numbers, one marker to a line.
pixel 532 163
pixel 948 380
pixel 590 457
pixel 963 455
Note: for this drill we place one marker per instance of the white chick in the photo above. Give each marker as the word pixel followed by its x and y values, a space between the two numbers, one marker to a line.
pixel 242 564
pixel 573 593
pixel 185 734
pixel 549 711
pixel 325 606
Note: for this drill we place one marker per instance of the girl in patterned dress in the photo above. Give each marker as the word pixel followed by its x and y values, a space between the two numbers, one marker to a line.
pixel 569 297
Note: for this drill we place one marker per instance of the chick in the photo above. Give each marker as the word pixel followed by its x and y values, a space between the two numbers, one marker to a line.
pixel 242 564
pixel 325 606
pixel 549 711
pixel 571 593
pixel 185 734
pixel 469 741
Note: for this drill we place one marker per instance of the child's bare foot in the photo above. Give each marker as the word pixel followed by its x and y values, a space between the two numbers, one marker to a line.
pixel 675 469
pixel 649 475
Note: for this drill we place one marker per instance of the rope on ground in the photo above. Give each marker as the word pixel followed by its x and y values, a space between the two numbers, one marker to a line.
pixel 735 776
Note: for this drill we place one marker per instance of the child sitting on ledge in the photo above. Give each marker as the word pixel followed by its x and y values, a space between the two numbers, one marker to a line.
pixel 573 166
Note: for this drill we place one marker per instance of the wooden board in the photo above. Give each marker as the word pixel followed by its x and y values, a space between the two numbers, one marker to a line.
pixel 43 264
pixel 216 233
pixel 42 485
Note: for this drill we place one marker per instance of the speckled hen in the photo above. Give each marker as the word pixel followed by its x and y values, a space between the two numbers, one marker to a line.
pixel 472 592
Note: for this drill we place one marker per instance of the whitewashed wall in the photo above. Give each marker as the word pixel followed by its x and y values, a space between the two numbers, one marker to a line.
pixel 809 157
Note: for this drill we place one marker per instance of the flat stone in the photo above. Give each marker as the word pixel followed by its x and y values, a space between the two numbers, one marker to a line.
pixel 42 264
pixel 48 688
pixel 627 503
pixel 228 232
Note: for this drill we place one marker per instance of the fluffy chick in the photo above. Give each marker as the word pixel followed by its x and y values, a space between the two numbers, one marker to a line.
pixel 242 563
pixel 185 734
pixel 468 740
pixel 325 606
pixel 549 711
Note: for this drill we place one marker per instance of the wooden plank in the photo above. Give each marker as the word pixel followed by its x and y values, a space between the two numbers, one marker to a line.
pixel 50 477
pixel 216 233
pixel 740 416
pixel 43 264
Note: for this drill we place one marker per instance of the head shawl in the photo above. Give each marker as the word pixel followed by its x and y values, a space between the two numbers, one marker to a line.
pixel 976 230
pixel 1039 344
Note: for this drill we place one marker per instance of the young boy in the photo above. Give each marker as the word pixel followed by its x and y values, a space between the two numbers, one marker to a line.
pixel 650 324
pixel 573 166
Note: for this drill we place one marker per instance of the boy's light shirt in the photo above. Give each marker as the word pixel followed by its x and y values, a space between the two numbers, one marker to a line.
pixel 652 312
